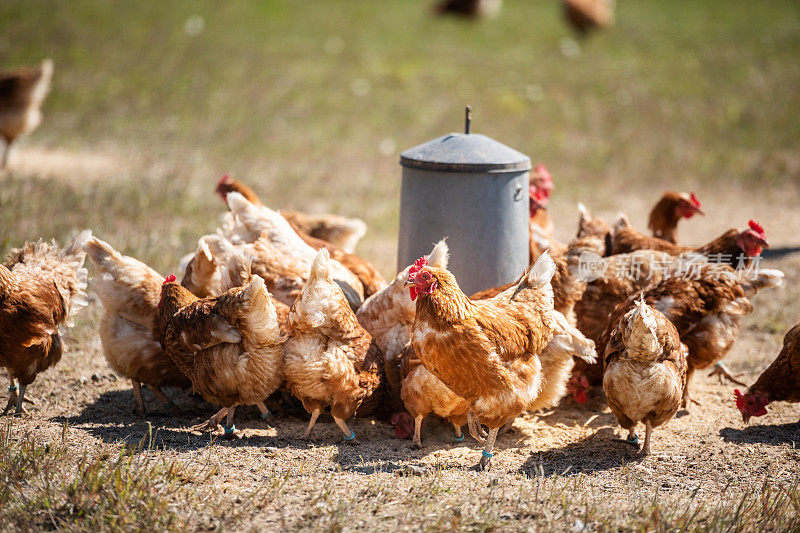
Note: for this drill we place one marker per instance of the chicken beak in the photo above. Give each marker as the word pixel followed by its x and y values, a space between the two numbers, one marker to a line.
pixel 745 417
pixel 699 211
pixel 408 283
pixel 764 243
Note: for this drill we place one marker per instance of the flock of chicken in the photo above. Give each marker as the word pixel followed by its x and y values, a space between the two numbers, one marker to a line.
pixel 276 303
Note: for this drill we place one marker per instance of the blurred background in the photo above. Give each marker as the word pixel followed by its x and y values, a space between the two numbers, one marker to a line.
pixel 311 102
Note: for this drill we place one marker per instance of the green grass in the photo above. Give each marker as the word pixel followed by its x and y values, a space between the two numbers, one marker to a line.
pixel 297 97
pixel 53 485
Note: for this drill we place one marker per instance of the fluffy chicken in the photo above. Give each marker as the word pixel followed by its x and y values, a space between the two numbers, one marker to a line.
pixel 130 291
pixel 229 346
pixel 279 253
pixel 41 289
pixel 731 247
pixel 780 382
pixel 423 393
pixel 669 210
pixel 388 316
pixel 585 16
pixel 330 358
pixel 645 370
pixel 568 283
pixel 485 351
pixel 21 95
pixel 589 226
pixel 469 8
pixel 706 309
pixel 340 232
pixel 218 266
pixel 618 277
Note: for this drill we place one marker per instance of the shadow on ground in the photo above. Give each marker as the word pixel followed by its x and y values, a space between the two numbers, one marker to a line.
pixel 774 434
pixel 600 451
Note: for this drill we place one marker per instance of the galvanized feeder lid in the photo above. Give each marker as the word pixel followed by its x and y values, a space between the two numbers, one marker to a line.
pixel 465 152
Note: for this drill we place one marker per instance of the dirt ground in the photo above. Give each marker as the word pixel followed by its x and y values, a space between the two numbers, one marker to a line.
pixel 556 469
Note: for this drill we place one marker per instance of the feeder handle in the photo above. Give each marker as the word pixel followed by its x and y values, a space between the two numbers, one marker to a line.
pixel 467 119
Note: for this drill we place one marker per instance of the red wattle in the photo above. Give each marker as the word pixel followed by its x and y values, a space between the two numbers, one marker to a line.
pixel 580 396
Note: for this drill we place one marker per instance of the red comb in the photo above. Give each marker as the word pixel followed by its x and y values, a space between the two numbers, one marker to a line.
pixel 542 171
pixel 170 279
pixel 755 226
pixel 417 266
pixel 737 395
pixel 695 201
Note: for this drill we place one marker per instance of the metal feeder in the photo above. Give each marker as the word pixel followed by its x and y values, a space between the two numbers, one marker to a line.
pixel 474 191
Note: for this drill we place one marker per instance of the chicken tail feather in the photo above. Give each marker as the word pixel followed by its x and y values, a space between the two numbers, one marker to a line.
pixel 763 279
pixel 260 316
pixel 440 255
pixel 538 277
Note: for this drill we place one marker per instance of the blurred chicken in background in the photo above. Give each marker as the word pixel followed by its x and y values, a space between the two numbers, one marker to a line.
pixel 473 9
pixel 585 16
pixel 22 92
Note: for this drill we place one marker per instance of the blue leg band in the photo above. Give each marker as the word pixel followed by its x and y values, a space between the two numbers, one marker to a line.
pixel 634 440
pixel 352 435
pixel 230 430
pixel 459 439
pixel 488 455
pixel 266 415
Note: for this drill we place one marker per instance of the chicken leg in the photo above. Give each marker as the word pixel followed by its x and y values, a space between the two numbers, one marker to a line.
pixel 6 150
pixel 416 442
pixel 314 415
pixel 349 436
pixel 169 404
pixel 486 454
pixel 230 427
pixel 646 448
pixel 686 399
pixel 722 372
pixel 20 410
pixel 508 427
pixel 139 409
pixel 262 408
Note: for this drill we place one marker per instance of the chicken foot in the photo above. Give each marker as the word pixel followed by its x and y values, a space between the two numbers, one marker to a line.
pixel 722 372
pixel 13 397
pixel 475 428
pixel 20 410
pixel 486 454
pixel 349 436
pixel 212 423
